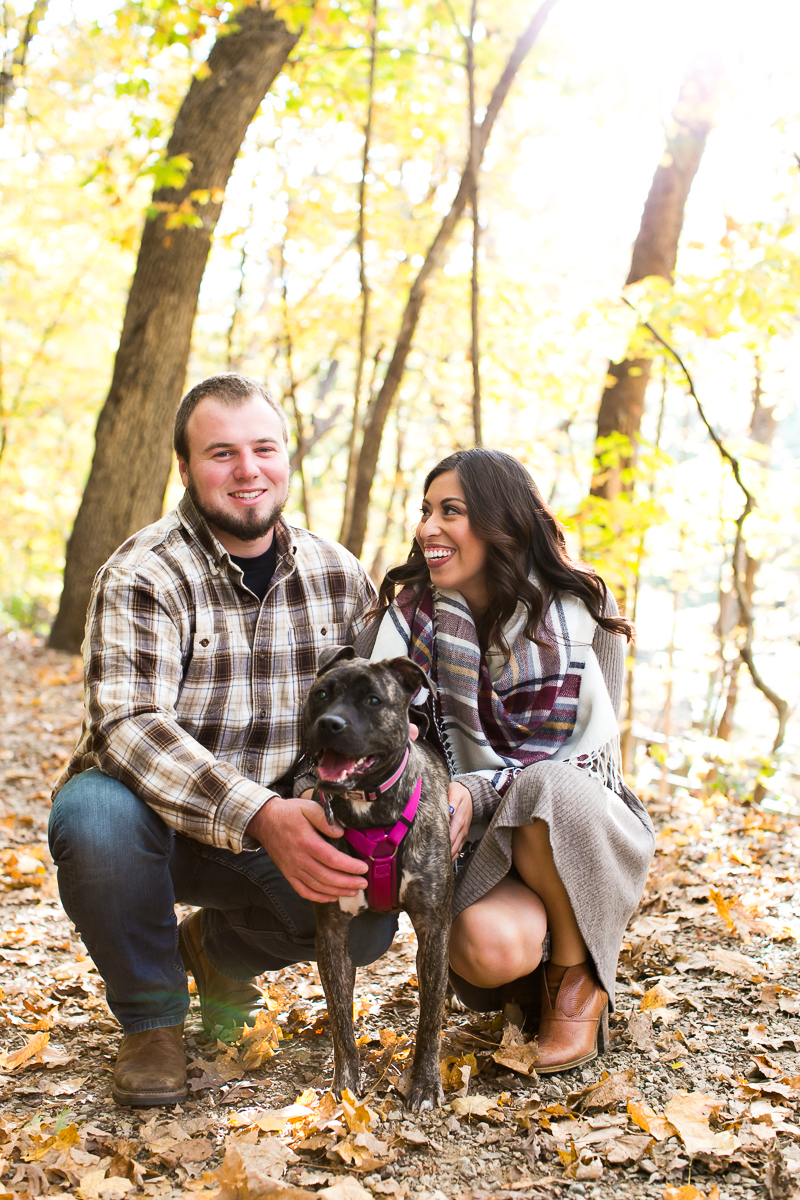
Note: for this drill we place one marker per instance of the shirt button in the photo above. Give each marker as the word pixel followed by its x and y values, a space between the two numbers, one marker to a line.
pixel 324 630
pixel 262 712
pixel 204 641
pixel 251 766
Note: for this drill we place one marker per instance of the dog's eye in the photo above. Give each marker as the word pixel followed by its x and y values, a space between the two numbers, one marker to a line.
pixel 321 694
pixel 373 700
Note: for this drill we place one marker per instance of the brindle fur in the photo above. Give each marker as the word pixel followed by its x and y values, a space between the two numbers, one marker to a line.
pixel 426 873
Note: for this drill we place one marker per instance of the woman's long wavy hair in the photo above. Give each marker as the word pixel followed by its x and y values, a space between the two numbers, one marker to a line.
pixel 522 536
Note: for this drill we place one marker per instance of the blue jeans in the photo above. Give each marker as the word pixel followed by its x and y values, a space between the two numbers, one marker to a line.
pixel 120 871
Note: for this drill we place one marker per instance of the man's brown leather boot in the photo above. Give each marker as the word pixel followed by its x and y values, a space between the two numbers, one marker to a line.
pixel 151 1068
pixel 574 1022
pixel 223 1002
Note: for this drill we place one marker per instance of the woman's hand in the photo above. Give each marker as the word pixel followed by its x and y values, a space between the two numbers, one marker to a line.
pixel 460 801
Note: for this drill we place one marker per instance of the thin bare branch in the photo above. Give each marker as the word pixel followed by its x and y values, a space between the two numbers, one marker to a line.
pixel 476 229
pixel 291 389
pixel 745 612
pixel 726 454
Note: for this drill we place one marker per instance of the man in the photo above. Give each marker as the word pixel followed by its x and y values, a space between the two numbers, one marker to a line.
pixel 202 639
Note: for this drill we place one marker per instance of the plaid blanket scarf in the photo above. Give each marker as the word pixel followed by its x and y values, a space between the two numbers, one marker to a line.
pixel 496 715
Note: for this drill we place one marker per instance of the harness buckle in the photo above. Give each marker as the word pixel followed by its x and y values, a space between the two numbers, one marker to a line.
pixel 383 850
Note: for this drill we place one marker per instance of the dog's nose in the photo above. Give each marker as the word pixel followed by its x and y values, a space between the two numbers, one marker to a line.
pixel 331 724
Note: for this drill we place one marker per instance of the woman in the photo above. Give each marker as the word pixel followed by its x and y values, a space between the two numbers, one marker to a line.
pixel 526 650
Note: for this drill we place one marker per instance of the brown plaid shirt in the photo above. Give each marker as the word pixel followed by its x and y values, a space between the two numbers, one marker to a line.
pixel 194 688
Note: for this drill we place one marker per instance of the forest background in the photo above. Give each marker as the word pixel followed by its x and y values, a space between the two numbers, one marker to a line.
pixel 312 267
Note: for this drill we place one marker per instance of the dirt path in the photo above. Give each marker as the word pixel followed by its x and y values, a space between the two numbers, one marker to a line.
pixel 703 1072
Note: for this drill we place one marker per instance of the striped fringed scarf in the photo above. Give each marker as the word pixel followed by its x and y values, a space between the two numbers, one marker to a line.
pixel 496 715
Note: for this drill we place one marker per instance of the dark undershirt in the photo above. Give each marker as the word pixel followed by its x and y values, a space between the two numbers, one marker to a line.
pixel 258 571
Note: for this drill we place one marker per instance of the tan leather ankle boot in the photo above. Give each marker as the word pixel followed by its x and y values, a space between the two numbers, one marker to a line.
pixel 573 1028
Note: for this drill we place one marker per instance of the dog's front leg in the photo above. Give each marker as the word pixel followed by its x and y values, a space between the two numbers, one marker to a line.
pixel 433 938
pixel 338 977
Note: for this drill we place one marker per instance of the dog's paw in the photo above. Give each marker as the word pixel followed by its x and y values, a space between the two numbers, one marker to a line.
pixel 424 1095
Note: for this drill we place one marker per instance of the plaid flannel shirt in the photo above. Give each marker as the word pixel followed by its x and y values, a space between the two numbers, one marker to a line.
pixel 194 688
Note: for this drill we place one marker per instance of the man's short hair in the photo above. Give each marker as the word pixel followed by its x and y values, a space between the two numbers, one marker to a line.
pixel 231 389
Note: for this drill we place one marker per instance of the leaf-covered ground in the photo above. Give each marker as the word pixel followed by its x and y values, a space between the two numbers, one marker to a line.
pixel 699 1090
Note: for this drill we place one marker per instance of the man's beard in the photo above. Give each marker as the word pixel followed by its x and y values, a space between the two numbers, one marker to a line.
pixel 248 527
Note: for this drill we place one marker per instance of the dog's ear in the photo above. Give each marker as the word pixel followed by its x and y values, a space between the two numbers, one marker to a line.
pixel 410 675
pixel 418 716
pixel 333 654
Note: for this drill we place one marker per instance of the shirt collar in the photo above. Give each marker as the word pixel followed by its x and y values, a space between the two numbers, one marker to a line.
pixel 197 526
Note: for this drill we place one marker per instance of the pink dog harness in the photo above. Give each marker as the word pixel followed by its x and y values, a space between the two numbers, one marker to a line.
pixel 378 847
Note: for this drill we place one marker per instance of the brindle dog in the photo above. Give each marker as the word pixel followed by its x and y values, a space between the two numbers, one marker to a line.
pixel 357 717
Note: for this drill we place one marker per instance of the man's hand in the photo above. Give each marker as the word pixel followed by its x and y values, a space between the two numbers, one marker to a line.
pixel 460 801
pixel 290 831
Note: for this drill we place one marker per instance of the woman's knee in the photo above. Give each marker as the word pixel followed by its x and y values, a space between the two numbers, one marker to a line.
pixel 485 946
pixel 96 819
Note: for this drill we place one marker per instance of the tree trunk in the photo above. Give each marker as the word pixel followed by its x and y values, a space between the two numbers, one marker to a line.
pixel 374 425
pixel 133 454
pixel 655 252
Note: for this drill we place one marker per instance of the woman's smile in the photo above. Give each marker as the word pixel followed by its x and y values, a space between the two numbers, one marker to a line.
pixel 437 556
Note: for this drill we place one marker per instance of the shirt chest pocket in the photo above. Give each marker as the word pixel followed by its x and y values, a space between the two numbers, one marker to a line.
pixel 308 642
pixel 321 634
pixel 204 643
pixel 216 678
pixel 208 640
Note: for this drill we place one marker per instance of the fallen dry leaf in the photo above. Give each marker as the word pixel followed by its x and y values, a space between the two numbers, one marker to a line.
pixel 414 1137
pixel 252 1165
pixel 364 1151
pixel 359 1118
pixel 212 1074
pixel 18 1058
pixel 689 1192
pixel 689 1112
pixel 585 1166
pixel 515 1052
pixel 95 1185
pixel 647 1119
pixel 731 962
pixel 523 1115
pixel 190 1150
pixel 476 1106
pixel 658 997
pixel 347 1188
pixel 65 1139
pixel 609 1091
pixel 275 1120
pixel 260 1041
pixel 456 1072
pixel 627 1149
pixel 640 1029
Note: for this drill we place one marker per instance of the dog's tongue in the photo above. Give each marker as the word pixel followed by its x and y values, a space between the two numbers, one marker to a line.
pixel 335 767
